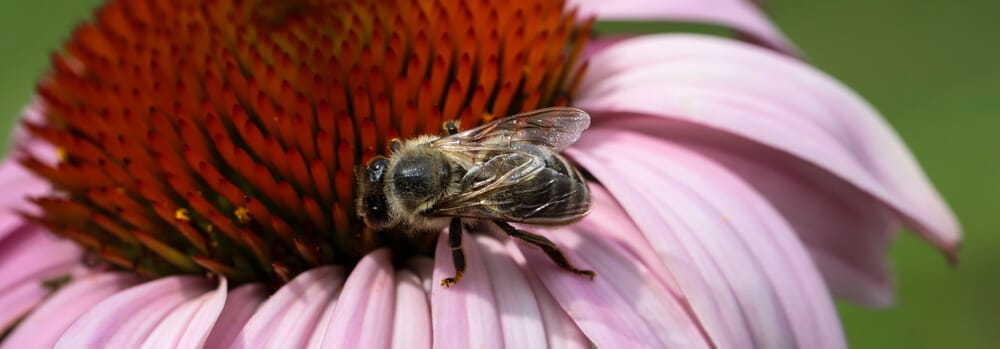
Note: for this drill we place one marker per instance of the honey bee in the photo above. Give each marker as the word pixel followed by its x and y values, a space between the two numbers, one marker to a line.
pixel 507 170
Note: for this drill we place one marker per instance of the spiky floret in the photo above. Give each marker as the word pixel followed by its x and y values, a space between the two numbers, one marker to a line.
pixel 223 135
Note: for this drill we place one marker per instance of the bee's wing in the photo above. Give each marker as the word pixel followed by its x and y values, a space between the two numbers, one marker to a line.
pixel 515 187
pixel 555 128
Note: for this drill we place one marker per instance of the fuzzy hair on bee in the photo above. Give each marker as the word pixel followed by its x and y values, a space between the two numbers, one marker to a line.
pixel 507 170
pixel 419 178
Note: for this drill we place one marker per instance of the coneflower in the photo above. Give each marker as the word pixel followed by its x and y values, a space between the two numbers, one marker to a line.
pixel 185 178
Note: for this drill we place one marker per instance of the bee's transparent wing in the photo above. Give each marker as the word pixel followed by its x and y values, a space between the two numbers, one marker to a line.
pixel 516 187
pixel 555 128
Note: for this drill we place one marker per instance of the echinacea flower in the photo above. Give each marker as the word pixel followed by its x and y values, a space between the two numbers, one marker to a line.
pixel 184 178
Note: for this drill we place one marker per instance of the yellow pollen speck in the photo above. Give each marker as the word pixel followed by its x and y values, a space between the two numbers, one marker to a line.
pixel 120 190
pixel 182 215
pixel 242 215
pixel 61 153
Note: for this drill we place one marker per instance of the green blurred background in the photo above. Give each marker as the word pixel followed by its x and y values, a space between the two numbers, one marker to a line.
pixel 932 67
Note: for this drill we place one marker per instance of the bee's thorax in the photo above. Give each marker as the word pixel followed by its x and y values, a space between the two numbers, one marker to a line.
pixel 418 178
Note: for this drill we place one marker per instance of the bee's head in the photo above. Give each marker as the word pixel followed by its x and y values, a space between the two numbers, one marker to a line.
pixel 372 205
pixel 417 178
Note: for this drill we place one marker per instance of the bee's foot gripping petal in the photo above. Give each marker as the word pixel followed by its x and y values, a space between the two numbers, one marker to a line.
pixel 447 282
pixel 588 273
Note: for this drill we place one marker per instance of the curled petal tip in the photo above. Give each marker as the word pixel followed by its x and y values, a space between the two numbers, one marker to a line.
pixel 951 253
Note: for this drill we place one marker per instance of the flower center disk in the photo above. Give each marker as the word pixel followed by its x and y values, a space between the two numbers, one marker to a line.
pixel 223 135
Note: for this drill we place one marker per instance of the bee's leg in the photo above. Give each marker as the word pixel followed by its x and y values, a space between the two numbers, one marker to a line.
pixel 546 245
pixel 449 128
pixel 457 254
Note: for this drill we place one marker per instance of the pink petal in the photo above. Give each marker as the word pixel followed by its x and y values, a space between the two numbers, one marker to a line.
pixel 18 184
pixel 363 316
pixel 613 224
pixel 28 258
pixel 560 330
pixel 125 319
pixel 854 268
pixel 33 112
pixel 289 317
pixel 241 304
pixel 319 334
pixel 16 181
pixel 10 222
pixel 43 327
pixel 189 325
pixel 18 300
pixel 424 268
pixel 411 328
pixel 31 254
pixel 784 115
pixel 623 306
pixel 464 315
pixel 520 316
pixel 524 321
pixel 742 268
pixel 739 15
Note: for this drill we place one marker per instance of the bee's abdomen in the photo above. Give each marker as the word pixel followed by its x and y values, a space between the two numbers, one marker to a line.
pixel 563 166
pixel 529 185
pixel 554 195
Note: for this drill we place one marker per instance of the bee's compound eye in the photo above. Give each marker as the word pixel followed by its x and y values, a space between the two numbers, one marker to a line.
pixel 376 210
pixel 376 204
pixel 376 169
